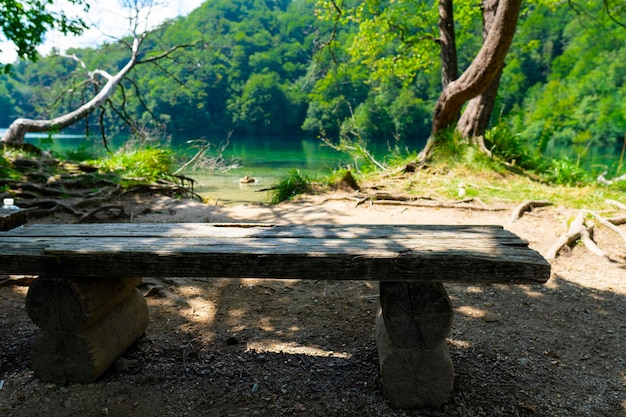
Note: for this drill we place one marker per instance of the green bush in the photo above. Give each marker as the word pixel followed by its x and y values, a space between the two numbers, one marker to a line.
pixel 295 183
pixel 148 164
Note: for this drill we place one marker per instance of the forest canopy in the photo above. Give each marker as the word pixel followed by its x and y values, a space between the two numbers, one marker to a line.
pixel 283 67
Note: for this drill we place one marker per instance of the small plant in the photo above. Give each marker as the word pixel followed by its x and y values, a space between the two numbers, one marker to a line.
pixel 295 183
pixel 563 171
pixel 509 148
pixel 148 164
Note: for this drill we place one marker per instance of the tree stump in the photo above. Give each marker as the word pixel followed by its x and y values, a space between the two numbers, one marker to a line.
pixel 411 330
pixel 85 325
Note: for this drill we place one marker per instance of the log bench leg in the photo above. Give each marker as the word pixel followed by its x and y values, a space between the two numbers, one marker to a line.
pixel 86 324
pixel 411 330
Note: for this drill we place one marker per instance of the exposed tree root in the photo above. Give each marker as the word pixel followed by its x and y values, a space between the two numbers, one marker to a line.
pixel 574 233
pixel 411 201
pixel 602 179
pixel 91 216
pixel 527 205
pixel 55 190
pixel 609 223
pixel 581 229
pixel 79 196
pixel 616 204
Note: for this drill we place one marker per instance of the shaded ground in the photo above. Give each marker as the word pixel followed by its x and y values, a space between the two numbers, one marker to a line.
pixel 282 348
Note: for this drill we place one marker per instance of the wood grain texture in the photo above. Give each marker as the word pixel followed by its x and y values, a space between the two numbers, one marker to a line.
pixel 411 253
pixel 413 377
pixel 57 303
pixel 416 315
pixel 84 355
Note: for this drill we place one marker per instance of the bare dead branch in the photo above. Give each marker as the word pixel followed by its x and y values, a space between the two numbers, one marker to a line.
pixel 167 53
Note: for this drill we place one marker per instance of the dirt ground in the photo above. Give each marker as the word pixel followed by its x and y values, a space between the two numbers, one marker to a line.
pixel 223 347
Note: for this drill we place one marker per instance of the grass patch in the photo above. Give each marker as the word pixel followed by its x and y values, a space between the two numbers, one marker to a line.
pixel 296 182
pixel 137 164
pixel 444 181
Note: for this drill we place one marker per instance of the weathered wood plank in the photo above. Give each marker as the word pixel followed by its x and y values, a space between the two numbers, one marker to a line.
pixel 202 230
pixel 356 247
pixel 377 252
pixel 469 269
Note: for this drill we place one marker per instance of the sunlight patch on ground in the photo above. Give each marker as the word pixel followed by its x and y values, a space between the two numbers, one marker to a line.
pixel 189 291
pixel 470 311
pixel 532 291
pixel 270 346
pixel 274 284
pixel 266 324
pixel 202 310
pixel 461 344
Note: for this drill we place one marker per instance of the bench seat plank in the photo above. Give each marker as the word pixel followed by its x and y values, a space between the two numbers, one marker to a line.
pixel 417 253
pixel 244 230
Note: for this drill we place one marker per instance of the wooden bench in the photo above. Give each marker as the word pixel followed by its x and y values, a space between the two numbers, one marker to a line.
pixel 85 296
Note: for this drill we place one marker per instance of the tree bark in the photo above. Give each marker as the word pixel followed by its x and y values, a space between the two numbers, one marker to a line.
pixel 475 119
pixel 18 129
pixel 447 42
pixel 479 75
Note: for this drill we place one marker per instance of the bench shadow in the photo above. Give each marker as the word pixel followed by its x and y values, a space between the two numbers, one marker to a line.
pixel 507 345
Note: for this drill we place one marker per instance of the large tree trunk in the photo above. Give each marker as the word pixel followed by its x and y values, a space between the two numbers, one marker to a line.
pixel 479 75
pixel 16 131
pixel 475 119
pixel 447 42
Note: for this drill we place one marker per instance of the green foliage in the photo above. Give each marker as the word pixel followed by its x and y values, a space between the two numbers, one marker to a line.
pixel 25 24
pixel 509 148
pixel 565 83
pixel 138 164
pixel 564 171
pixel 249 68
pixel 84 152
pixel 295 183
pixel 6 169
pixel 260 69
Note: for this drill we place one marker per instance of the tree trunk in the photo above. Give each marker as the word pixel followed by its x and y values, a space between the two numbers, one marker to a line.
pixel 475 119
pixel 16 131
pixel 479 75
pixel 447 42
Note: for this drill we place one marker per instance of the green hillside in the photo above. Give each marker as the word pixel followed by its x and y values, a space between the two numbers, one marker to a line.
pixel 273 67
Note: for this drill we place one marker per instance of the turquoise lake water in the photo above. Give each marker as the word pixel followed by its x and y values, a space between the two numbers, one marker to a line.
pixel 270 158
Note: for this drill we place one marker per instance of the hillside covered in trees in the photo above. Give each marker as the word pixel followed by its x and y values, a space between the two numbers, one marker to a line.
pixel 275 67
